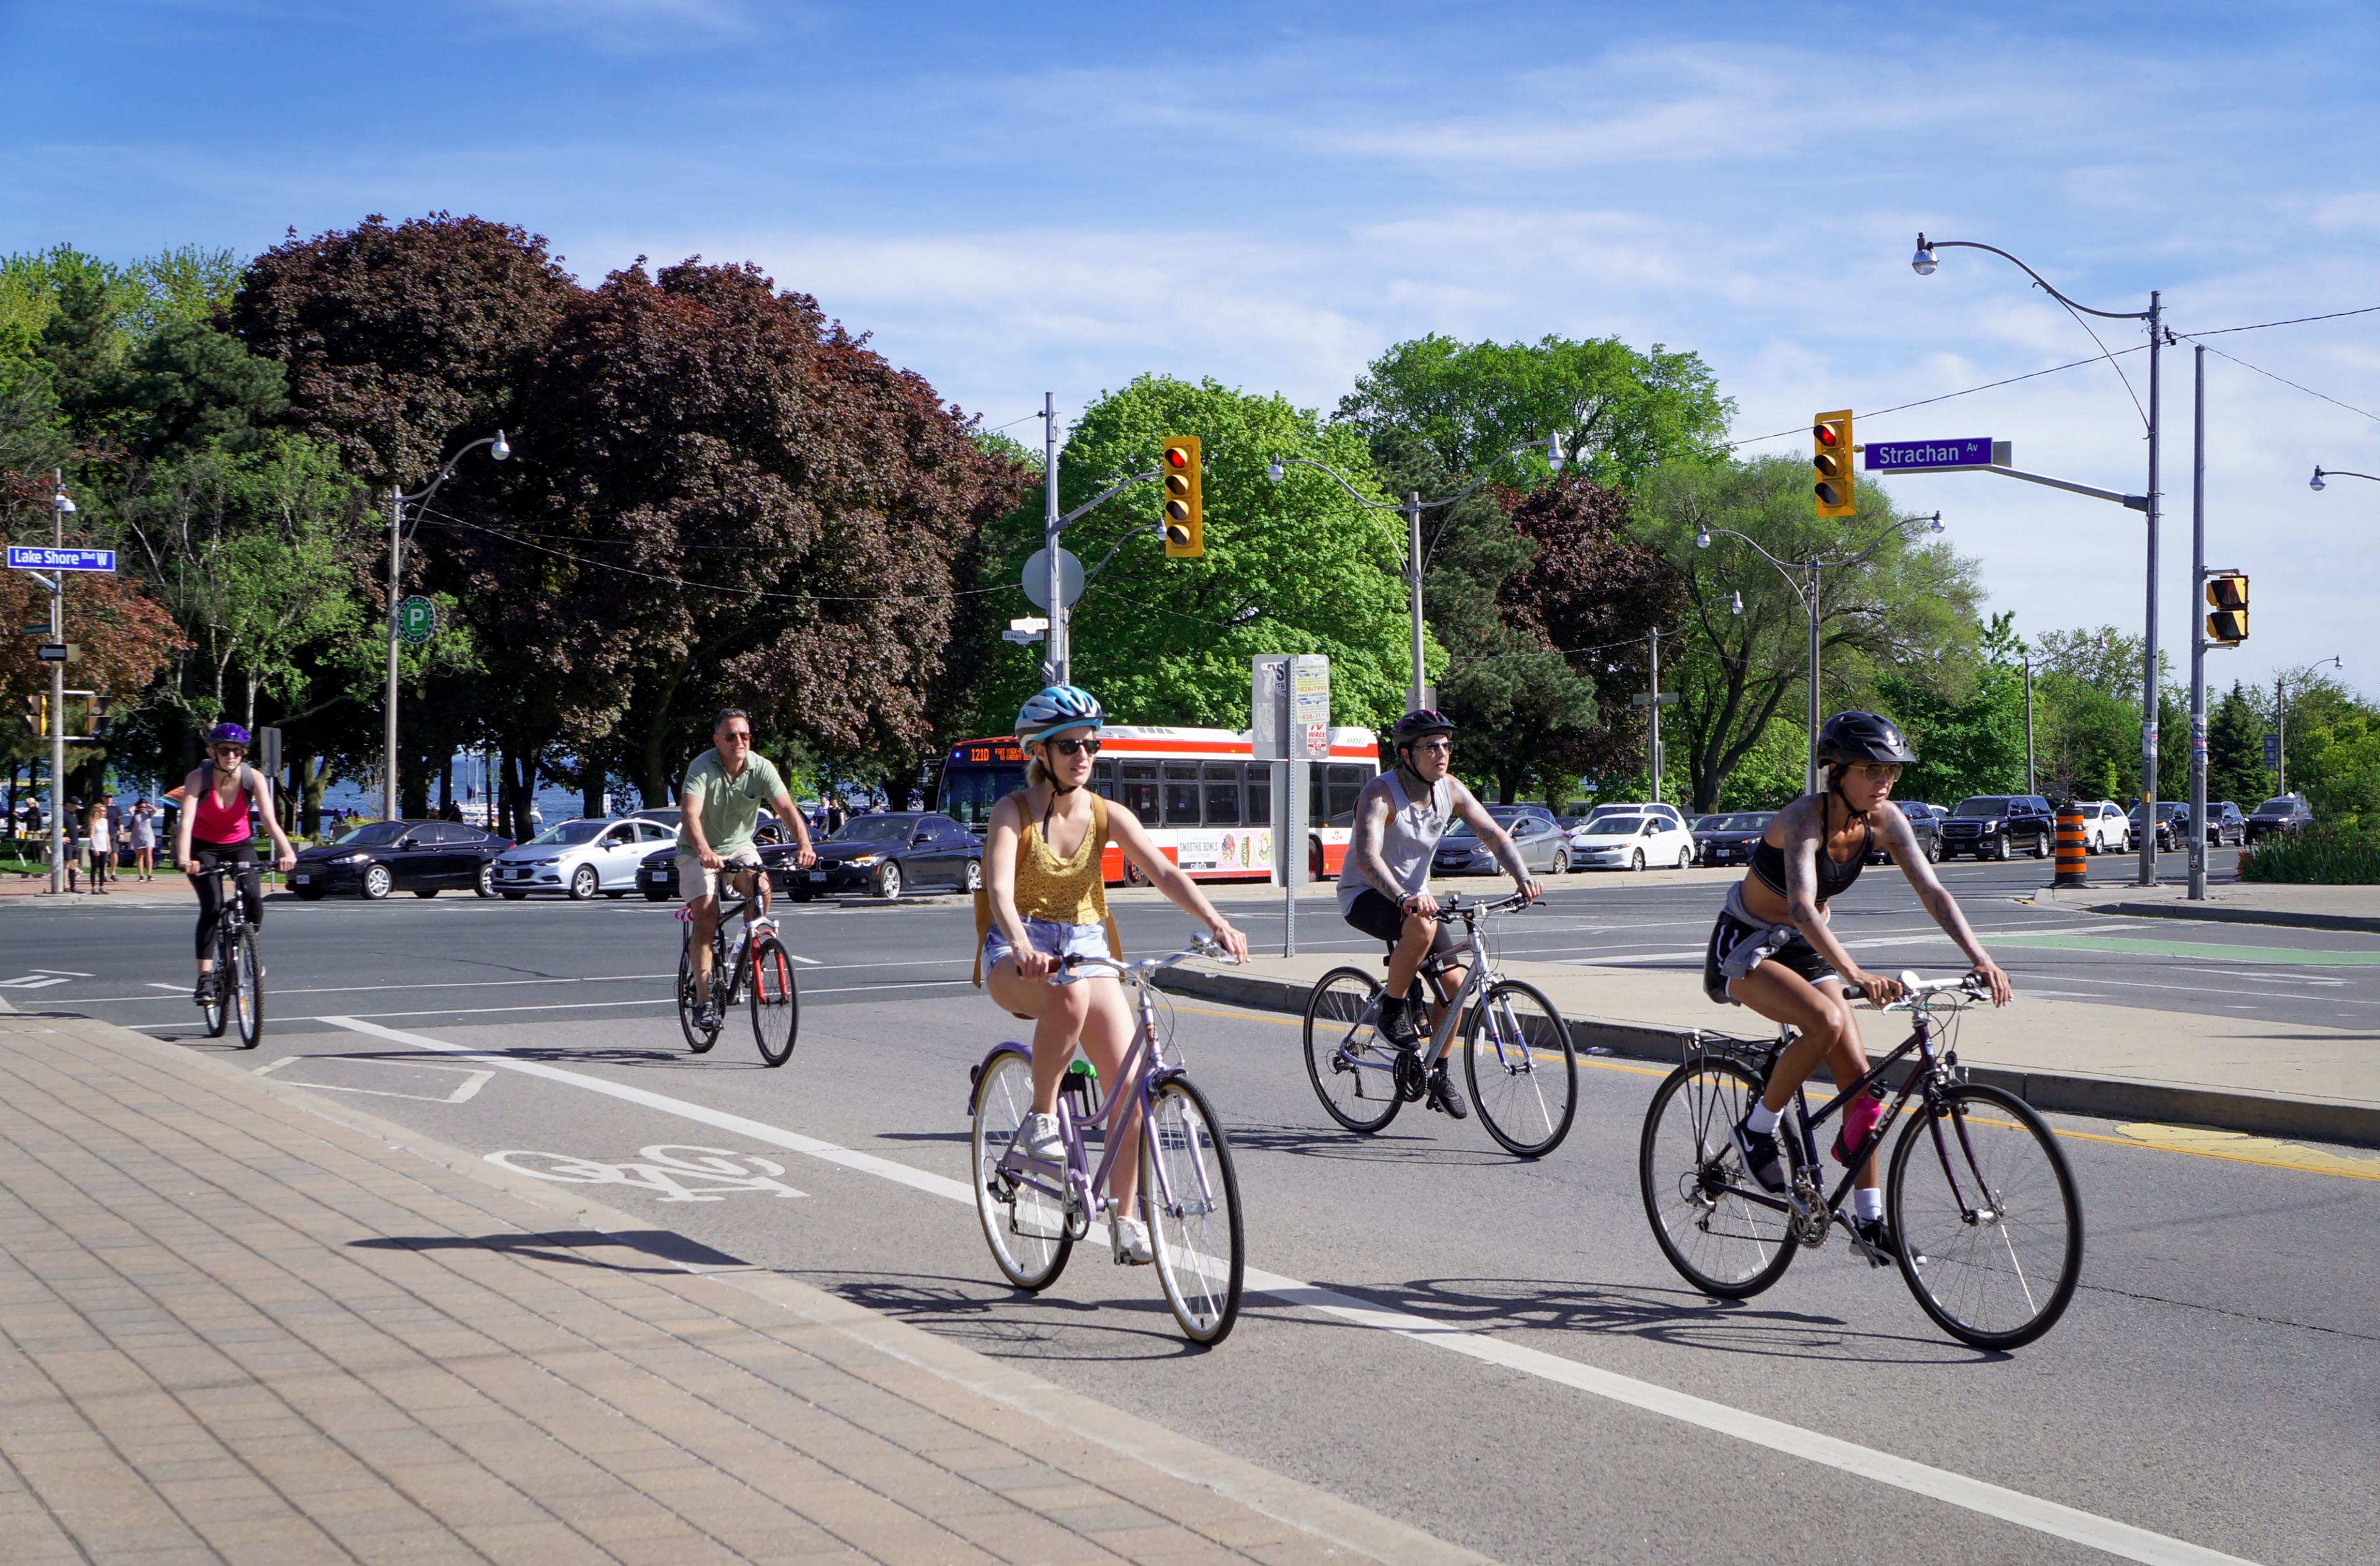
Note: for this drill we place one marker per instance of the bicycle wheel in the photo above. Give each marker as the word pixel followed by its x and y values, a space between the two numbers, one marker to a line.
pixel 690 1002
pixel 217 1010
pixel 1024 1225
pixel 1979 1189
pixel 1194 1213
pixel 776 1007
pixel 1349 1063
pixel 248 989
pixel 1522 1069
pixel 1704 1208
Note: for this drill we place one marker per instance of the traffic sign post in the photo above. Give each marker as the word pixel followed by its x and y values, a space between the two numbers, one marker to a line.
pixel 1289 723
pixel 49 558
pixel 417 620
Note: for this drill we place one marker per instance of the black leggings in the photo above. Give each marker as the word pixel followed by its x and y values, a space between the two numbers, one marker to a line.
pixel 204 857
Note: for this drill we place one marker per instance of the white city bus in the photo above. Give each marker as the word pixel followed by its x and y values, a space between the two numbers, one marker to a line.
pixel 1208 806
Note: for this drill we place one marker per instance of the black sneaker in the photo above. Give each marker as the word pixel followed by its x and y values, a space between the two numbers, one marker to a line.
pixel 1759 1152
pixel 1397 1026
pixel 204 995
pixel 1876 1240
pixel 1445 1097
pixel 707 1020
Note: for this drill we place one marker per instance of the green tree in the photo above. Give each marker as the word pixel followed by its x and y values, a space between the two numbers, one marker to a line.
pixel 2235 752
pixel 1619 411
pixel 1968 736
pixel 2087 713
pixel 1294 567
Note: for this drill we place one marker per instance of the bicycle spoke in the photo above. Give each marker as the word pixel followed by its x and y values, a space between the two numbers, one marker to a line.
pixel 1024 1225
pixel 1346 1059
pixel 1522 1068
pixel 1983 1203
pixel 1190 1196
pixel 1720 1234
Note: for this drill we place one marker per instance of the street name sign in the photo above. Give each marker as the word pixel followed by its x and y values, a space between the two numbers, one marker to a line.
pixel 41 557
pixel 1647 698
pixel 1917 457
pixel 417 619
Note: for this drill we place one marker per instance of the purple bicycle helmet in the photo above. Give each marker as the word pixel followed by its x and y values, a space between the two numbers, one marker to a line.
pixel 227 734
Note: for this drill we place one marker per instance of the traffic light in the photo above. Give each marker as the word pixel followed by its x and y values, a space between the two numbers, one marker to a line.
pixel 2226 594
pixel 37 715
pixel 1830 455
pixel 1184 522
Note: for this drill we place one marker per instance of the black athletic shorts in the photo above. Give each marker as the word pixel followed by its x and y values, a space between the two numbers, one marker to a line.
pixel 1736 948
pixel 1383 920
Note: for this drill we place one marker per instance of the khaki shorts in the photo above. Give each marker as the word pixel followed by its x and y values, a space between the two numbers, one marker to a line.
pixel 694 882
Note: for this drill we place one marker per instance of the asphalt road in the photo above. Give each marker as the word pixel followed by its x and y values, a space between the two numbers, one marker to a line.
pixel 2212 1384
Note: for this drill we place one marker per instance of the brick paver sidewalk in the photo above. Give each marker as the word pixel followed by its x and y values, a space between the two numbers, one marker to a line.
pixel 232 1329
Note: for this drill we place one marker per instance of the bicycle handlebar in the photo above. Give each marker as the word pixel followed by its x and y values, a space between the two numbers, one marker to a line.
pixel 1202 946
pixel 1969 986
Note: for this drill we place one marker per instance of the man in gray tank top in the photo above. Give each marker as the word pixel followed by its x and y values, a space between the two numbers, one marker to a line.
pixel 1384 884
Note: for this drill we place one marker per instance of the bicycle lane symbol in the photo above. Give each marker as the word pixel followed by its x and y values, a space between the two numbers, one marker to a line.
pixel 664 1169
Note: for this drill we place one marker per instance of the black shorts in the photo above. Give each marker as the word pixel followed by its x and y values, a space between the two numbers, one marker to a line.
pixel 1383 920
pixel 1736 948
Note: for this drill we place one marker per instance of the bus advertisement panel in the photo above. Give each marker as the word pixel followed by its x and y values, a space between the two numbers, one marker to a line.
pixel 1202 797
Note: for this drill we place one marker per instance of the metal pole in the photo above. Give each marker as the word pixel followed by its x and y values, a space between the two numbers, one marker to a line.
pixel 1291 850
pixel 2028 722
pixel 1056 656
pixel 1653 744
pixel 1811 781
pixel 1413 582
pixel 388 742
pixel 2197 629
pixel 57 693
pixel 2149 649
pixel 2281 714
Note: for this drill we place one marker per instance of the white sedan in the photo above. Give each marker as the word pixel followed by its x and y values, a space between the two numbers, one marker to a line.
pixel 1631 843
pixel 580 858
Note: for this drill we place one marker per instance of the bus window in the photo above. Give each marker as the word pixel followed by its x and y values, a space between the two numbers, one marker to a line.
pixel 1140 790
pixel 1181 794
pixel 1222 781
pixel 1347 780
pixel 1104 779
pixel 1261 794
pixel 970 791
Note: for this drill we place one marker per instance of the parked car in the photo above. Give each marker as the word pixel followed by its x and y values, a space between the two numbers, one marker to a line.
pixel 2168 828
pixel 1542 845
pixel 1727 839
pixel 2283 812
pixel 579 858
pixel 901 851
pixel 1672 811
pixel 1615 842
pixel 1993 826
pixel 657 872
pixel 2106 828
pixel 1924 825
pixel 422 857
pixel 2225 823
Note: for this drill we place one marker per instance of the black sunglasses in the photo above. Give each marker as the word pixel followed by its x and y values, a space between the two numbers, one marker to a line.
pixel 1073 747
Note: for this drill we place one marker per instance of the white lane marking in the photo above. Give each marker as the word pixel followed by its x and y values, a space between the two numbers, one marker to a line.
pixel 1974 1495
pixel 463 1093
pixel 584 1005
pixel 664 1169
pixel 176 989
pixel 68 972
pixel 814 962
pixel 31 981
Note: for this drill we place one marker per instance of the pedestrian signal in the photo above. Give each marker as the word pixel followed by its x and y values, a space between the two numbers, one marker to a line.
pixel 1830 457
pixel 1184 521
pixel 2226 594
pixel 37 715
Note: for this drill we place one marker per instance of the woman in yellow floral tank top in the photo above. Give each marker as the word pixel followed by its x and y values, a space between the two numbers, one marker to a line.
pixel 1041 858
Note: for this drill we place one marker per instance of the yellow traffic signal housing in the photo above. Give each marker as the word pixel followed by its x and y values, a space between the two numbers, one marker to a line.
pixel 1830 457
pixel 2226 594
pixel 1178 471
pixel 37 715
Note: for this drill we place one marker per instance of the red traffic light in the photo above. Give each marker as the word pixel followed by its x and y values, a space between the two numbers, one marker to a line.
pixel 1827 435
pixel 1177 456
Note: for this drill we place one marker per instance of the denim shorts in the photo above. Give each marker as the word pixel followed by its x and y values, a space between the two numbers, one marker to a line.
pixel 1049 938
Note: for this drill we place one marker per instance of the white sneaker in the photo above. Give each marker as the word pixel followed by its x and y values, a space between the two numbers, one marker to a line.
pixel 1038 1138
pixel 1130 1238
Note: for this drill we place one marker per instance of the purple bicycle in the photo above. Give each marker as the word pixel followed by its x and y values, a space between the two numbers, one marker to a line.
pixel 1977 1190
pixel 1033 1212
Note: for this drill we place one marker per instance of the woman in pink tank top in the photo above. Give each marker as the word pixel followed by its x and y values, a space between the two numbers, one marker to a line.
pixel 213 829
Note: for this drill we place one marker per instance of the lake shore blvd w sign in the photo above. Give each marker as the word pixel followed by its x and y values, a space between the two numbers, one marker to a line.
pixel 1916 456
pixel 41 557
pixel 417 619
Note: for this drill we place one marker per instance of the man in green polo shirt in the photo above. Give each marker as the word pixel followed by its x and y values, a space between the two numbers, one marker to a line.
pixel 719 804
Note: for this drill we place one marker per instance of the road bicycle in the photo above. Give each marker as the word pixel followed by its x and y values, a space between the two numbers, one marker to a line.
pixel 236 993
pixel 1034 1211
pixel 1976 1191
pixel 758 967
pixel 1517 1056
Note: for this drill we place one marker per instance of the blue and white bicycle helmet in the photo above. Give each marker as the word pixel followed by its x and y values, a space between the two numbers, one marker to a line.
pixel 1054 708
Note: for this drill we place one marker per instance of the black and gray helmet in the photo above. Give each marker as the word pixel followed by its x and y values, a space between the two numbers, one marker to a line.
pixel 1862 736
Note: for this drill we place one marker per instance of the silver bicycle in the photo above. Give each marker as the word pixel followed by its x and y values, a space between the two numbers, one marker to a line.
pixel 1517 1056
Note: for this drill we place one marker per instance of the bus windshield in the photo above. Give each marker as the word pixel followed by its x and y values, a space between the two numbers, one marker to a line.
pixel 971 789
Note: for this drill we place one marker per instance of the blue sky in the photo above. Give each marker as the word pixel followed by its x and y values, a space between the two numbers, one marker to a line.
pixel 1017 200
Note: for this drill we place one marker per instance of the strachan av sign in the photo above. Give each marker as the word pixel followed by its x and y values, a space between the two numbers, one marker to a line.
pixel 1911 457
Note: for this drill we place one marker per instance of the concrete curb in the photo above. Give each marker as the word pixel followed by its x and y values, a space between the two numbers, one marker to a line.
pixel 1316 1512
pixel 2106 1098
pixel 2356 922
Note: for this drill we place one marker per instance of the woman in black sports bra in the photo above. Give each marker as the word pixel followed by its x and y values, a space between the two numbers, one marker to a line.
pixel 1772 949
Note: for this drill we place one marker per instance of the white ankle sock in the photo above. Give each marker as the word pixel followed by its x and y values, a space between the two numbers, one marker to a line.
pixel 1763 1119
pixel 1867 1204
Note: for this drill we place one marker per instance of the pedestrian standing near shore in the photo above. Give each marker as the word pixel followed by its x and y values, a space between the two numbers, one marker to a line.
pixel 145 839
pixel 102 847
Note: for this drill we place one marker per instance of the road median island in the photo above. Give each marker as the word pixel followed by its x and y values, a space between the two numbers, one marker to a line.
pixel 2121 1062
pixel 2355 908
pixel 207 1267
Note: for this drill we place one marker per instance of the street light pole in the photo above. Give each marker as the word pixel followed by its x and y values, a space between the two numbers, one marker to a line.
pixel 1924 263
pixel 397 500
pixel 1057 665
pixel 1654 759
pixel 60 506
pixel 2197 632
pixel 2027 656
pixel 1413 702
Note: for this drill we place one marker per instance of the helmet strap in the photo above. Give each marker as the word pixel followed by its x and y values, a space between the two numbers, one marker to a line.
pixel 1835 787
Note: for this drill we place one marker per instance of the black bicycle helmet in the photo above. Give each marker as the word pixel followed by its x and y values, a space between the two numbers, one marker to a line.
pixel 1862 736
pixel 1415 725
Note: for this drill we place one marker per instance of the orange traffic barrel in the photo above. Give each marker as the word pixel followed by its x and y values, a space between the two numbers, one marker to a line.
pixel 2072 859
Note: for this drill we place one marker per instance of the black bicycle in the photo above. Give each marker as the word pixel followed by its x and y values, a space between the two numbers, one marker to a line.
pixel 1976 1191
pixel 757 967
pixel 236 992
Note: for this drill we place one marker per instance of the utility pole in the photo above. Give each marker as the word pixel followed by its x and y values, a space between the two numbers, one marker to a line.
pixel 1413 586
pixel 1810 781
pixel 2149 652
pixel 1653 744
pixel 2197 634
pixel 388 745
pixel 59 507
pixel 1056 660
pixel 2027 656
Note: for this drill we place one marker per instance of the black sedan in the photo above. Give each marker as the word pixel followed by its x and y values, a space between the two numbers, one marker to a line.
pixel 906 850
pixel 657 871
pixel 422 857
pixel 1924 825
pixel 1728 840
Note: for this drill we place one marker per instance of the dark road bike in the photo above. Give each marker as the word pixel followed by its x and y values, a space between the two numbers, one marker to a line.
pixel 236 994
pixel 1517 1056
pixel 1033 1212
pixel 1977 1190
pixel 756 966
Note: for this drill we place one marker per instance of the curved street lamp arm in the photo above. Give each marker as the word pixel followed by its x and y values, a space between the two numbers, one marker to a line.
pixel 448 472
pixel 2322 472
pixel 1525 445
pixel 1361 499
pixel 1782 569
pixel 1107 494
pixel 2042 283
